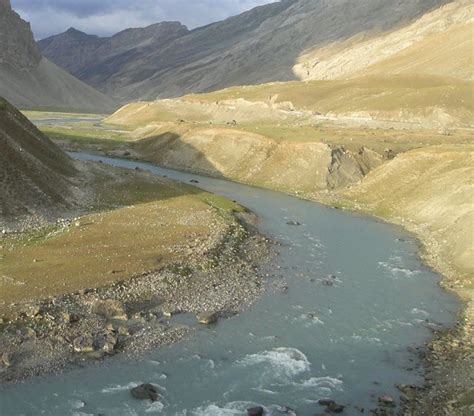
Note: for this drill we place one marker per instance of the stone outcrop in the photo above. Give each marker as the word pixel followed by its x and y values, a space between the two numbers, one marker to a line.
pixel 19 49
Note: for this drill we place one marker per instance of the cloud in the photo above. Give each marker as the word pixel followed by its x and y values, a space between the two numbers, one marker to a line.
pixel 106 17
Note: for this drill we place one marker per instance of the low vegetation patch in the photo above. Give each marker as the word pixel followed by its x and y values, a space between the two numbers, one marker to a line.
pixel 139 225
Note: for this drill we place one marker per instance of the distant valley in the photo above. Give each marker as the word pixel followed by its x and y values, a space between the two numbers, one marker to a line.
pixel 261 45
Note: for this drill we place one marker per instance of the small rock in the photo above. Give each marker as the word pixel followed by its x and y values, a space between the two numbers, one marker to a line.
pixel 326 402
pixel 107 343
pixel 6 359
pixel 30 332
pixel 32 311
pixel 287 411
pixel 335 408
pixel 255 411
pixel 387 401
pixel 145 392
pixel 389 154
pixel 83 344
pixel 123 331
pixel 110 309
pixel 169 312
pixel 207 318
pixel 68 318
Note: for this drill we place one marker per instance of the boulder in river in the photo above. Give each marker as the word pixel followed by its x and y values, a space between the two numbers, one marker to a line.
pixel 335 408
pixel 207 318
pixel 145 391
pixel 331 406
pixel 256 411
pixel 325 402
pixel 287 411
pixel 387 401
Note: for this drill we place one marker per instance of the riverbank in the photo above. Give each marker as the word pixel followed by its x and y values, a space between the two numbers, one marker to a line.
pixel 417 178
pixel 150 249
pixel 449 356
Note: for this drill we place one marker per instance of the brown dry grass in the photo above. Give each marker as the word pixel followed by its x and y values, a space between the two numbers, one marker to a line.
pixel 111 246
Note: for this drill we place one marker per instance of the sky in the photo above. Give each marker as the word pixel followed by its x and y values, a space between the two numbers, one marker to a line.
pixel 106 17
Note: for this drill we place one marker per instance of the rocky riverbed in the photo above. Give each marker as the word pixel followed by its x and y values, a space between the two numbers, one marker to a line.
pixel 135 315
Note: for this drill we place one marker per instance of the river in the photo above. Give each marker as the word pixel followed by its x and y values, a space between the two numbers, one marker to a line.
pixel 358 300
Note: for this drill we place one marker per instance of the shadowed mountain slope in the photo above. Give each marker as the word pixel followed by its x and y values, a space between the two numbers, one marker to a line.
pixel 28 80
pixel 260 45
pixel 34 173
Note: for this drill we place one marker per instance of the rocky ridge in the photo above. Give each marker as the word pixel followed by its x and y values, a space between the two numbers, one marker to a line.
pixel 18 46
pixel 260 45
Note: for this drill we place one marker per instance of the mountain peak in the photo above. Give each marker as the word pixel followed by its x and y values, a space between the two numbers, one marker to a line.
pixel 77 34
pixel 73 30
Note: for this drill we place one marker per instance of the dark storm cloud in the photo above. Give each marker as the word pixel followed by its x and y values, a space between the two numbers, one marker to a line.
pixel 105 17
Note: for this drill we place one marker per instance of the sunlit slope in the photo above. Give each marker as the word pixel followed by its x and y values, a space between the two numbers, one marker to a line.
pixel 430 100
pixel 430 191
pixel 439 43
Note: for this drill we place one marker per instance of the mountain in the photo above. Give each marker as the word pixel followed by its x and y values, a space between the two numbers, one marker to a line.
pixel 29 80
pixel 260 45
pixel 35 174
pixel 439 43
pixel 96 59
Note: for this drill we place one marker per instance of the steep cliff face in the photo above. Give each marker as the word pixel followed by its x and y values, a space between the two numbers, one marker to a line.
pixel 19 49
pixel 29 80
pixel 260 45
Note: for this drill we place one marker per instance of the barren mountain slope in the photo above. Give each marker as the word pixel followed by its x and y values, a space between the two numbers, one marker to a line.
pixel 34 173
pixel 418 100
pixel 439 43
pixel 258 46
pixel 28 80
pixel 94 59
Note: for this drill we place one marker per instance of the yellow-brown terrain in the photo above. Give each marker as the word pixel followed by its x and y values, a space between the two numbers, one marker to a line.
pixel 382 123
pixel 438 43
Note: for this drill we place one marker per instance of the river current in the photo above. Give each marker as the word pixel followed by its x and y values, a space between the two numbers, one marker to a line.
pixel 358 301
